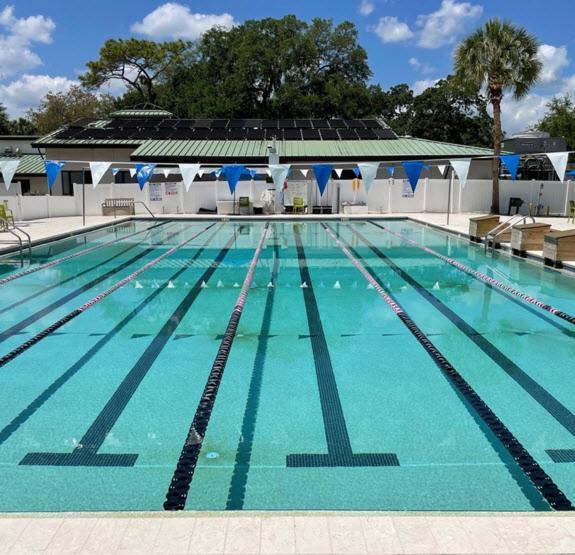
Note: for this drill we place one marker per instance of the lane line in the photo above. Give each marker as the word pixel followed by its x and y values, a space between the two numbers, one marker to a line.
pixel 538 478
pixel 179 487
pixel 89 304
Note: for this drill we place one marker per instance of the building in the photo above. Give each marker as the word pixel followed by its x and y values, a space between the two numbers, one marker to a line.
pixel 30 178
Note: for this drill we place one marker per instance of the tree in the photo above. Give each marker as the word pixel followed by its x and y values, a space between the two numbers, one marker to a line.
pixel 137 63
pixel 22 126
pixel 559 119
pixel 4 121
pixel 498 57
pixel 57 109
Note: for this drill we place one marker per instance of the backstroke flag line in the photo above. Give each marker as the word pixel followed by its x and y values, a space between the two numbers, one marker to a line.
pixel 368 173
pixel 98 169
pixel 53 168
pixel 559 161
pixel 144 173
pixel 461 168
pixel 511 162
pixel 189 172
pixel 322 174
pixel 279 173
pixel 8 169
pixel 413 171
pixel 232 172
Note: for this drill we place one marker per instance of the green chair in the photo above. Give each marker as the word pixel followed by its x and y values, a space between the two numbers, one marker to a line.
pixel 298 205
pixel 244 205
pixel 6 216
pixel 571 211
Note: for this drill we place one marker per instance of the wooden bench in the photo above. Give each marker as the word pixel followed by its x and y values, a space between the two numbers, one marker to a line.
pixel 559 246
pixel 115 206
pixel 480 226
pixel 528 237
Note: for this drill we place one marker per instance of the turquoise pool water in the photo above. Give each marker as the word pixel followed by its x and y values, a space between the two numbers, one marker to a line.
pixel 327 401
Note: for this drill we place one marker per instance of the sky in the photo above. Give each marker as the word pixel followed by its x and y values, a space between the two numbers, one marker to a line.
pixel 44 46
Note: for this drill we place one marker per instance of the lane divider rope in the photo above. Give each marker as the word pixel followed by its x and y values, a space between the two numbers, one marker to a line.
pixel 83 252
pixel 483 277
pixel 530 467
pixel 184 472
pixel 70 316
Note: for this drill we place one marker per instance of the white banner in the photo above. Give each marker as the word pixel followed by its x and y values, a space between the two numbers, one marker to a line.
pixel 98 169
pixel 132 172
pixel 8 169
pixel 441 170
pixel 189 172
pixel 559 161
pixel 338 172
pixel 368 172
pixel 279 173
pixel 304 172
pixel 166 172
pixel 461 168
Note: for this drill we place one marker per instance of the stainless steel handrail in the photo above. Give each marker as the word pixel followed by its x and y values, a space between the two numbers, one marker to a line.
pixel 502 227
pixel 6 227
pixel 146 207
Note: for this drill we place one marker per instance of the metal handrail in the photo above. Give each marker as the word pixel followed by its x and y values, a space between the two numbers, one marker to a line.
pixel 146 207
pixel 502 227
pixel 6 227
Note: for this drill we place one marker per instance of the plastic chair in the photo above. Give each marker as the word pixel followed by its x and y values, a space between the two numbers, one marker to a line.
pixel 245 204
pixel 298 205
pixel 6 215
pixel 571 211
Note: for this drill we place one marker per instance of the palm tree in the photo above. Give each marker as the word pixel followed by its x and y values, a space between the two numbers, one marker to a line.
pixel 499 57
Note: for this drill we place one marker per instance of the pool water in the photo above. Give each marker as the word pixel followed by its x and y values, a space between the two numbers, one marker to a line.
pixel 328 401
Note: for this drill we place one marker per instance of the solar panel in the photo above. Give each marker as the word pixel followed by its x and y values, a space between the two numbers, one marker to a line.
pixel 371 124
pixel 311 134
pixel 270 123
pixel 236 123
pixel 255 134
pixel 202 124
pixel 354 123
pixel 253 123
pixel 286 123
pixel 366 134
pixel 274 133
pixel 91 133
pixel 303 123
pixel 167 123
pixel 320 123
pixel 158 134
pixel 219 134
pixel 292 134
pixel 329 134
pixel 219 124
pixel 123 133
pixel 337 124
pixel 183 134
pixel 141 133
pixel 237 134
pixel 199 134
pixel 69 133
pixel 185 123
pixel 82 122
pixel 348 134
pixel 383 133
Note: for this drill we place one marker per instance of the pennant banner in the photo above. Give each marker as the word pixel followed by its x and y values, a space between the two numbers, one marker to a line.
pixel 304 172
pixel 441 170
pixel 98 169
pixel 144 173
pixel 511 162
pixel 413 171
pixel 356 171
pixel 279 173
pixel 201 172
pixel 559 161
pixel 8 169
pixel 189 172
pixel 232 173
pixel 132 172
pixel 115 171
pixel 368 173
pixel 390 171
pixel 461 168
pixel 166 172
pixel 338 172
pixel 53 168
pixel 322 174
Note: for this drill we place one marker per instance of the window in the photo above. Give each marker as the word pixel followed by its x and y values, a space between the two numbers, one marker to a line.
pixel 69 178
pixel 25 186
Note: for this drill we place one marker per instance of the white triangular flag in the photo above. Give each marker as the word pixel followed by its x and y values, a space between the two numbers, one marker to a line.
pixel 166 172
pixel 368 172
pixel 201 172
pixel 268 172
pixel 304 172
pixel 132 172
pixel 441 170
pixel 338 172
pixel 279 174
pixel 189 172
pixel 98 169
pixel 461 168
pixel 8 169
pixel 559 161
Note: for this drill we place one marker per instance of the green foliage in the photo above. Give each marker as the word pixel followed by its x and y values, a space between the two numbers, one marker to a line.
pixel 499 57
pixel 559 119
pixel 137 63
pixel 4 121
pixel 20 126
pixel 57 109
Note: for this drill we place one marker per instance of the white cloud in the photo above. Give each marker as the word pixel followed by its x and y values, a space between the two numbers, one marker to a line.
pixel 420 66
pixel 444 25
pixel 390 29
pixel 27 91
pixel 419 86
pixel 553 58
pixel 16 54
pixel 518 115
pixel 366 7
pixel 175 21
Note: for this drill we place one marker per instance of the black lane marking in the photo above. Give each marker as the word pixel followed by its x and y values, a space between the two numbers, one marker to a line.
pixel 86 452
pixel 532 480
pixel 179 487
pixel 75 276
pixel 237 488
pixel 536 391
pixel 512 298
pixel 340 452
pixel 561 455
pixel 6 334
pixel 37 403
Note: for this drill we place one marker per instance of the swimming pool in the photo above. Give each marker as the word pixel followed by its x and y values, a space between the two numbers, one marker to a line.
pixel 283 365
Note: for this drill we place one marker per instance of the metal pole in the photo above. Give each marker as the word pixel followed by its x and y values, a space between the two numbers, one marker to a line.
pixel 449 195
pixel 83 197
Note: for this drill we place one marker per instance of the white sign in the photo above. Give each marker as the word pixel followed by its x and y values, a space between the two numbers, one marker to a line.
pixel 406 189
pixel 171 189
pixel 156 192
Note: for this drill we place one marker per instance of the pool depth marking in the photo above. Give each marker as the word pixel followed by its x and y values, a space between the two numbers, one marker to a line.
pixel 86 452
pixel 52 263
pixel 28 412
pixel 535 390
pixel 184 473
pixel 339 450
pixel 541 481
pixel 483 277
pixel 237 488
pixel 89 304
pixel 15 328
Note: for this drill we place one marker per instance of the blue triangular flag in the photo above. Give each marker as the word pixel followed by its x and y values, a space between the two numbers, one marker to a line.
pixel 115 171
pixel 413 171
pixel 356 171
pixel 511 162
pixel 144 173
pixel 322 174
pixel 390 171
pixel 232 173
pixel 53 168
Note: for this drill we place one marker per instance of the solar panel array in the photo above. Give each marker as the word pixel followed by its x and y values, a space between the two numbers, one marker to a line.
pixel 229 129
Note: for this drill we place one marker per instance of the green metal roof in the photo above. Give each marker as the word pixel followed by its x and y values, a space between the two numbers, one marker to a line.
pixel 141 114
pixel 30 164
pixel 401 148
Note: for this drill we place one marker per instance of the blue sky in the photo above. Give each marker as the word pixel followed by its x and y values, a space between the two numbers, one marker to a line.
pixel 45 45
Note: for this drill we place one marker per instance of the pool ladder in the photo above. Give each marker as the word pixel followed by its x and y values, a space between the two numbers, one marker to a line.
pixel 13 229
pixel 490 238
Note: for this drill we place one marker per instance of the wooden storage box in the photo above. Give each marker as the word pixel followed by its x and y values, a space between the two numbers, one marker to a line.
pixel 559 246
pixel 528 237
pixel 480 226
